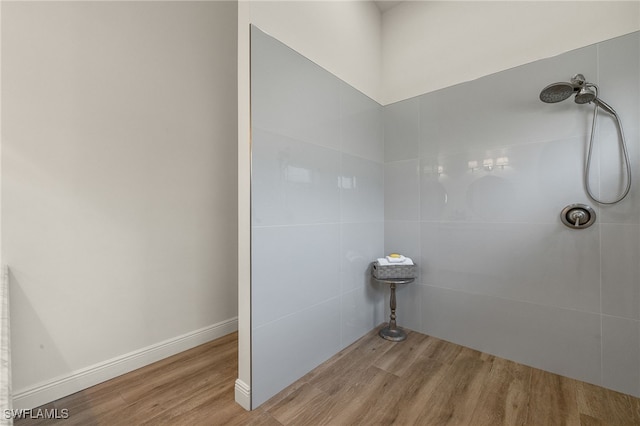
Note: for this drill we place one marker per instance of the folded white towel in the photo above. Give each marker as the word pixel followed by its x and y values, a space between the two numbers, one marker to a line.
pixel 384 262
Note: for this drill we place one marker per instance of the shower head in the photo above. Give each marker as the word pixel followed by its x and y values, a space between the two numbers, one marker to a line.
pixel 557 92
pixel 585 95
pixel 585 92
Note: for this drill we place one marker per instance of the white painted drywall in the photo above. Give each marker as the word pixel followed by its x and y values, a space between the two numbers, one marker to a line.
pixel 118 179
pixel 429 45
pixel 243 382
pixel 344 37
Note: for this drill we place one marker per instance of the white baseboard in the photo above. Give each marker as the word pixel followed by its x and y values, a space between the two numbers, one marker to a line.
pixel 78 380
pixel 5 347
pixel 243 394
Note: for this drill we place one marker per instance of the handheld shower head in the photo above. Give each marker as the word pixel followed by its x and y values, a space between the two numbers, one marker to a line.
pixel 605 106
pixel 589 93
pixel 585 95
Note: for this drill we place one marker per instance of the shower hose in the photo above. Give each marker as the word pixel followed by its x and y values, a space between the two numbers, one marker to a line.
pixel 598 103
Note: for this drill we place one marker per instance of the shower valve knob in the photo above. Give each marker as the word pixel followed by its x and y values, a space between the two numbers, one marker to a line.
pixel 578 216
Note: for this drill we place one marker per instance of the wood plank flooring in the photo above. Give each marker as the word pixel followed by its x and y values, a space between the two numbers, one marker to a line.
pixel 421 381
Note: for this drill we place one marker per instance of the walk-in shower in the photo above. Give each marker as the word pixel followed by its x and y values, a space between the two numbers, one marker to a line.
pixel 586 92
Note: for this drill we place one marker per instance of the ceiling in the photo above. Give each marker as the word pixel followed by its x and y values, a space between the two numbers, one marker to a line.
pixel 385 5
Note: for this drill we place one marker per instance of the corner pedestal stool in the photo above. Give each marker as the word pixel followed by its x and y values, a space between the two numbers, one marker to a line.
pixel 392 331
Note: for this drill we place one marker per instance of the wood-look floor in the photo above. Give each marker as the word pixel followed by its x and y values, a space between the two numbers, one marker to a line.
pixel 421 381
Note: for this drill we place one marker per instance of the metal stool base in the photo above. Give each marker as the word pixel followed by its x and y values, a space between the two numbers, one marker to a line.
pixel 393 334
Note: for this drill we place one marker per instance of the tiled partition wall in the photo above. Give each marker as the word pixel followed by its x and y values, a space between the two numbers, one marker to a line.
pixel 475 178
pixel 317 215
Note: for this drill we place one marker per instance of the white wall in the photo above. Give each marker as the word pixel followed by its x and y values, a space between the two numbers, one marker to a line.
pixel 118 193
pixel 430 45
pixel 344 38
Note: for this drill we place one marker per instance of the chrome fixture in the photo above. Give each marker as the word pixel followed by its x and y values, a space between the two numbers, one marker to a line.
pixel 578 216
pixel 558 92
pixel 586 93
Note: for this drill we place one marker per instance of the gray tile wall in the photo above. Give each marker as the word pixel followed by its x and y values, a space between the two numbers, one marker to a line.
pixel 317 215
pixel 498 270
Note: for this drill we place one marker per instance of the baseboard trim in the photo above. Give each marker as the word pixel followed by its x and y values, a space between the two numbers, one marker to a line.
pixel 78 380
pixel 243 394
